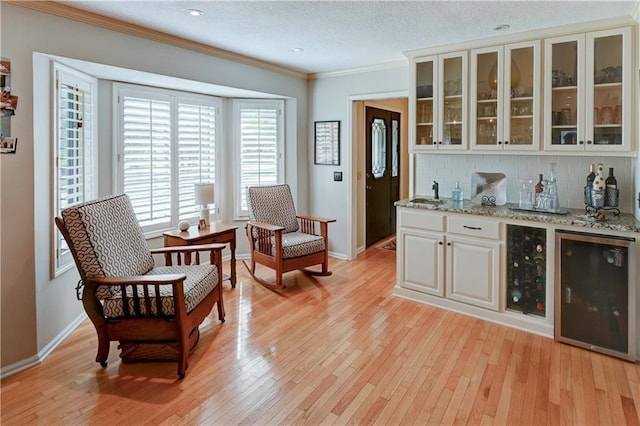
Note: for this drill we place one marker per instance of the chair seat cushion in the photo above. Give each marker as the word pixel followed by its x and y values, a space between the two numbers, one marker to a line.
pixel 295 244
pixel 201 280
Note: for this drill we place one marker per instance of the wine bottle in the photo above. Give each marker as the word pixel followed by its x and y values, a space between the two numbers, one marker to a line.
pixel 592 175
pixel 611 181
pixel 611 190
pixel 587 189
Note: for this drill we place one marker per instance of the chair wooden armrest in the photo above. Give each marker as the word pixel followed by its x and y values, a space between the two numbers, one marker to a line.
pixel 265 226
pixel 261 240
pixel 315 219
pixel 186 251
pixel 165 279
pixel 308 225
pixel 141 295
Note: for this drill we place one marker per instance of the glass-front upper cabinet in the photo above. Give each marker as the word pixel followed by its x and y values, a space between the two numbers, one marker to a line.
pixel 505 97
pixel 588 92
pixel 440 107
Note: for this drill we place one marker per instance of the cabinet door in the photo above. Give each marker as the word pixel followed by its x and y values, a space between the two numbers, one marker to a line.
pixel 419 261
pixel 564 93
pixel 522 96
pixel 473 272
pixel 608 97
pixel 487 91
pixel 452 105
pixel 426 111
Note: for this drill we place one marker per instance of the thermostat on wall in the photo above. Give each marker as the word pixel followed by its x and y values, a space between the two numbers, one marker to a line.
pixel 337 176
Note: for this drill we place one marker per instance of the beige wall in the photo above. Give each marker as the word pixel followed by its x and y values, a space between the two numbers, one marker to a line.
pixel 36 310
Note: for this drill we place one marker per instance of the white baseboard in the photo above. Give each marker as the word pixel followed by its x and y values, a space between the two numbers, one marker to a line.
pixel 34 360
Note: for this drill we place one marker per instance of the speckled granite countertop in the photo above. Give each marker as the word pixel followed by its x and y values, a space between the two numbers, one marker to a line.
pixel 624 222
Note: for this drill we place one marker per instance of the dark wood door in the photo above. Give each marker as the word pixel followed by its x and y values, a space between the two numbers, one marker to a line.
pixel 382 171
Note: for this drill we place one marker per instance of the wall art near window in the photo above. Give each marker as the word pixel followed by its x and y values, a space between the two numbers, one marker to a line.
pixel 8 105
pixel 327 143
pixel 8 145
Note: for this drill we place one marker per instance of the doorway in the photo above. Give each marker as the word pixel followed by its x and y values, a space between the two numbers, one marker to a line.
pixel 382 170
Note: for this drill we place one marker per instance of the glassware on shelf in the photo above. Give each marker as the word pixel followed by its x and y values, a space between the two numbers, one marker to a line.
pixel 606 115
pixel 617 114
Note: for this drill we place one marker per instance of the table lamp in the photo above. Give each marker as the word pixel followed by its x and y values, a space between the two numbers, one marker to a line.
pixel 204 196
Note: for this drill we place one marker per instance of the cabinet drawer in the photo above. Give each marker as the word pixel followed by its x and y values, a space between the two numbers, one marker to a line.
pixel 420 219
pixel 475 227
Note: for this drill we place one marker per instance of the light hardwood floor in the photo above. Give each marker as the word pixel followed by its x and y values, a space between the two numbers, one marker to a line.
pixel 337 350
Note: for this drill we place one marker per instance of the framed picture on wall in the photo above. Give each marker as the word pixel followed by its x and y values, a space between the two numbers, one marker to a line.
pixel 326 139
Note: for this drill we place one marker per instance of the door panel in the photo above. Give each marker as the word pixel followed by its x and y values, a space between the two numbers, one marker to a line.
pixel 383 172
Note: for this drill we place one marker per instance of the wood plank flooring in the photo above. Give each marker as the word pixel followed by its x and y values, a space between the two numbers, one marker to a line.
pixel 334 350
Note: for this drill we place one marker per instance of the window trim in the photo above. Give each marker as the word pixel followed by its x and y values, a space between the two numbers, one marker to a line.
pixel 62 263
pixel 174 97
pixel 240 214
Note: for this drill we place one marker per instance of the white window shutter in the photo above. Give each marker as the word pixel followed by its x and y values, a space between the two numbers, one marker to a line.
pixel 146 133
pixel 259 143
pixel 74 154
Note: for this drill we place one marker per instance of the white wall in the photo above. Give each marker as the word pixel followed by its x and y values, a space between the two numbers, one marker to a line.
pixel 331 99
pixel 572 174
pixel 36 309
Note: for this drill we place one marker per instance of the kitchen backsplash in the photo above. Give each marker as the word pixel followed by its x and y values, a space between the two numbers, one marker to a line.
pixel 572 174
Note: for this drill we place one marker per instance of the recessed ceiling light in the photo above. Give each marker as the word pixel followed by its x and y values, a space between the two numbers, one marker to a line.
pixel 194 12
pixel 501 27
pixel 297 49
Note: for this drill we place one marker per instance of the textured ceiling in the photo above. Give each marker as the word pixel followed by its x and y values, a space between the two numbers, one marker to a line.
pixel 341 35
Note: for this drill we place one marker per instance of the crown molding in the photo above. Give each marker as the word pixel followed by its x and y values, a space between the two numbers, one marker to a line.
pixel 360 70
pixel 557 31
pixel 90 18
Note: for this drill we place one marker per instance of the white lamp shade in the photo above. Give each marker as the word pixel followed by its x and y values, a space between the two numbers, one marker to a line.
pixel 204 193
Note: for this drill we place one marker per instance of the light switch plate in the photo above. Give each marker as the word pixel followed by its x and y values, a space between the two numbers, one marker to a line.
pixel 337 176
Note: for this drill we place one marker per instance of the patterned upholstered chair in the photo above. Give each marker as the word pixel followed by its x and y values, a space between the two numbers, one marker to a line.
pixel 282 240
pixel 154 312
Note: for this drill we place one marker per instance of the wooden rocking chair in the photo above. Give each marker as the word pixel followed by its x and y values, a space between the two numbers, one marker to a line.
pixel 282 240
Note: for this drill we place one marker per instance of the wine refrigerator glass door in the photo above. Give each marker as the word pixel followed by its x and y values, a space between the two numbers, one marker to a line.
pixel 595 298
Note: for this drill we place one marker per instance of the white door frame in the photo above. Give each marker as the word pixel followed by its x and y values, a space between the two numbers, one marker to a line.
pixel 353 166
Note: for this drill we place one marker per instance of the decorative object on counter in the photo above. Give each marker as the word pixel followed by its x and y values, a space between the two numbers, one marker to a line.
pixel 489 189
pixel 183 225
pixel 456 193
pixel 597 190
pixel 604 197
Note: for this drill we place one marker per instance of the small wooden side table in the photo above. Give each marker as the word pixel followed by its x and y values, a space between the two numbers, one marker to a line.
pixel 217 232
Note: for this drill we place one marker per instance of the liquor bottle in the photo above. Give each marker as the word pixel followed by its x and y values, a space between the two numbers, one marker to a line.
pixel 611 190
pixel 587 189
pixel 538 189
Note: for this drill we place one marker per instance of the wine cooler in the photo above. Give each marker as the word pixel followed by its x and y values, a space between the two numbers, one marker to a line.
pixel 595 298
pixel 526 269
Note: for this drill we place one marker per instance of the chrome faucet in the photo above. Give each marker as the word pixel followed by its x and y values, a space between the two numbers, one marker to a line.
pixel 435 190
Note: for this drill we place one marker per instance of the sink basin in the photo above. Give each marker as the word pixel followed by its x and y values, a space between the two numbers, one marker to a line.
pixel 426 201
